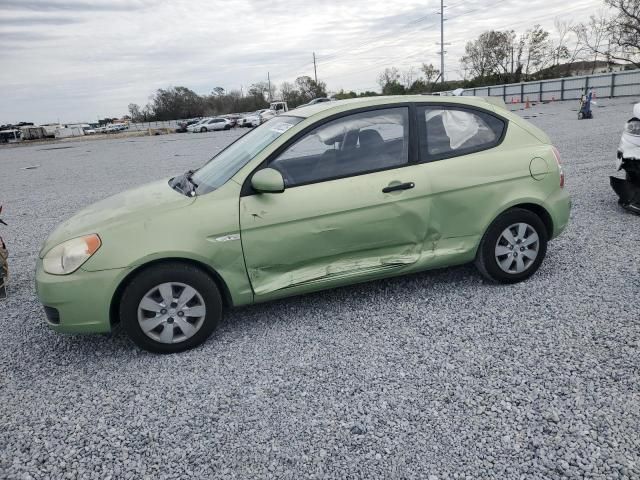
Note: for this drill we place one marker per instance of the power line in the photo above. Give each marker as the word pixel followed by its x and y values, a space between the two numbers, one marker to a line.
pixel 372 41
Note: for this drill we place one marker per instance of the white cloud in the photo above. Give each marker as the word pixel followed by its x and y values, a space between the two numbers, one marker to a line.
pixel 75 60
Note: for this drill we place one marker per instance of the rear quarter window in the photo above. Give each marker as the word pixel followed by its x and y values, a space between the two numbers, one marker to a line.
pixel 451 131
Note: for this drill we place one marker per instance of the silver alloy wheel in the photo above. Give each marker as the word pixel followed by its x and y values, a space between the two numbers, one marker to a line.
pixel 171 312
pixel 517 248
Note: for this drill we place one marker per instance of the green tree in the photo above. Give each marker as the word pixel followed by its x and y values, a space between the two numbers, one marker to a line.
pixel 431 73
pixel 134 112
pixel 490 54
pixel 342 95
pixel 175 103
pixel 309 89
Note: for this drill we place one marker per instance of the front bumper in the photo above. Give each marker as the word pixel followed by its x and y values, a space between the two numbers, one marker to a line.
pixel 79 302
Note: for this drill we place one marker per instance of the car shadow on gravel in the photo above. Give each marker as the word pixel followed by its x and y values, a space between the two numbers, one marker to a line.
pixel 248 320
pixel 360 296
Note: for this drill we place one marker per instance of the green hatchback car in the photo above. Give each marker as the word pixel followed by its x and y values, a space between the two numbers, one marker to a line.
pixel 321 196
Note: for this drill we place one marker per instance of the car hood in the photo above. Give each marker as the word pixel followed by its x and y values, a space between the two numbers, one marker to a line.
pixel 134 205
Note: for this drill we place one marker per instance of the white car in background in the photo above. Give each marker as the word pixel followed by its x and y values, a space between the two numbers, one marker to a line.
pixel 115 127
pixel 259 117
pixel 213 124
pixel 195 127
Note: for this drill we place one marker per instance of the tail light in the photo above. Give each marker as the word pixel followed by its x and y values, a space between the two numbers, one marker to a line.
pixel 556 154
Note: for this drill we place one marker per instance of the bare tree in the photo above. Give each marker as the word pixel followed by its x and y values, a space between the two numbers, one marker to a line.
pixel 535 50
pixel 594 36
pixel 431 73
pixel 560 45
pixel 408 77
pixel 388 76
pixel 134 112
pixel 568 45
pixel 624 30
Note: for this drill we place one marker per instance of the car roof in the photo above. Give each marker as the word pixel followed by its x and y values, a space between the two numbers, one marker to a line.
pixel 353 103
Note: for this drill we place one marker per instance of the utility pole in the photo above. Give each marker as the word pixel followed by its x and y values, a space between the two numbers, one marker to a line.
pixel 269 82
pixel 442 44
pixel 315 69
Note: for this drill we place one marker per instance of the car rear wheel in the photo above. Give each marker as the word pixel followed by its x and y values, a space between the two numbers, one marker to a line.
pixel 170 307
pixel 513 247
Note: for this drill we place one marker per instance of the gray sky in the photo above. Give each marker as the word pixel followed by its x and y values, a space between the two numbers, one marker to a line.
pixel 79 59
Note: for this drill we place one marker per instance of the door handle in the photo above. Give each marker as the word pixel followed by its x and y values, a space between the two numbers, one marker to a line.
pixel 399 186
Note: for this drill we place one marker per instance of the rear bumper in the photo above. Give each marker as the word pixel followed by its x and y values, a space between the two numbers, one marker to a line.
pixel 558 204
pixel 79 302
pixel 628 192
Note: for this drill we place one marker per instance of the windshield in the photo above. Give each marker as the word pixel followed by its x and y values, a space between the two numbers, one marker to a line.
pixel 227 163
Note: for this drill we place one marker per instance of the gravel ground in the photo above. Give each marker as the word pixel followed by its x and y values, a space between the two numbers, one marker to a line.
pixel 436 375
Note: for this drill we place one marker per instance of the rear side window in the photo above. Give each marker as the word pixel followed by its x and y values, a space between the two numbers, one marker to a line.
pixel 449 131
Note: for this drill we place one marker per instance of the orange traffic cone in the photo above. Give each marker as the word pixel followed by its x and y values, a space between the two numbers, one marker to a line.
pixel 527 104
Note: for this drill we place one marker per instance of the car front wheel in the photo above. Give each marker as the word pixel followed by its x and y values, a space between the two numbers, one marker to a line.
pixel 170 307
pixel 203 130
pixel 513 247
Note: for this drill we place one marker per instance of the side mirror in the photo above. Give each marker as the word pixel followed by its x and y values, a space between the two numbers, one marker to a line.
pixel 268 180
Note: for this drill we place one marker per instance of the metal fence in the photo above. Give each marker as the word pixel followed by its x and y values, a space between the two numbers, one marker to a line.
pixel 615 84
pixel 147 125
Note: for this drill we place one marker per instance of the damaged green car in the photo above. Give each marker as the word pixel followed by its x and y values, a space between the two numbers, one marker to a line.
pixel 321 196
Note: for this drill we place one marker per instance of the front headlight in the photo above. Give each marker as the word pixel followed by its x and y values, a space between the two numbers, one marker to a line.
pixel 69 256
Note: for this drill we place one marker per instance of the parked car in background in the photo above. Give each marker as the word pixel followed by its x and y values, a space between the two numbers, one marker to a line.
pixel 184 124
pixel 233 118
pixel 213 124
pixel 115 127
pixel 88 130
pixel 279 107
pixel 325 196
pixel 13 135
pixel 195 127
pixel 243 120
pixel 316 100
pixel 259 117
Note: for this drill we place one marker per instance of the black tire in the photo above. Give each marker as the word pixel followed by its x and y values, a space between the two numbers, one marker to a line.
pixel 203 129
pixel 632 177
pixel 146 281
pixel 486 260
pixel 227 127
